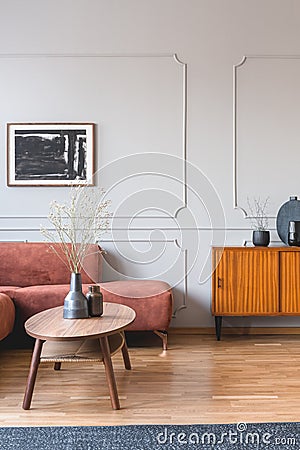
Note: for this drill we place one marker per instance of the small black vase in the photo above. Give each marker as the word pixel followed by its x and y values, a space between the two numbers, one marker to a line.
pixel 75 304
pixel 261 238
pixel 95 301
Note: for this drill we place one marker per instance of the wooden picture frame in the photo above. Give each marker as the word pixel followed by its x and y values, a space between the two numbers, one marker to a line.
pixel 50 154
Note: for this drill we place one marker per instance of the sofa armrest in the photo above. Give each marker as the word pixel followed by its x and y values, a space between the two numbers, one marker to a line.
pixel 7 315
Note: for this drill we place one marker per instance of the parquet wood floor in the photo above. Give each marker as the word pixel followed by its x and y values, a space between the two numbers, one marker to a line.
pixel 198 380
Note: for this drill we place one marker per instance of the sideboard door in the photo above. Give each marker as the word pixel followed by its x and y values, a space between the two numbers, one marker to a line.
pixel 290 282
pixel 246 282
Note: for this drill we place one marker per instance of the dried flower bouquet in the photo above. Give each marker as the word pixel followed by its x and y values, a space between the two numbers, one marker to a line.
pixel 77 225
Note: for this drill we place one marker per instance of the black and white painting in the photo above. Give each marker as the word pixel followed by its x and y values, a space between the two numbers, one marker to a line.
pixel 53 154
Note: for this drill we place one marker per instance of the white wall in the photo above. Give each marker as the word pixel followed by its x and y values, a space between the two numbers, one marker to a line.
pixel 128 83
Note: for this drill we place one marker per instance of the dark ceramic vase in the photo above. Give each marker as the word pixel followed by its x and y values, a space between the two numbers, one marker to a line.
pixel 95 301
pixel 261 238
pixel 75 304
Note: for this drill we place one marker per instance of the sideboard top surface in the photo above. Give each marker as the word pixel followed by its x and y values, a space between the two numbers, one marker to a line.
pixel 284 248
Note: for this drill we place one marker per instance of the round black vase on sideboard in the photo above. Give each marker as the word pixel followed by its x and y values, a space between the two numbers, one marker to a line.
pixel 261 238
pixel 288 222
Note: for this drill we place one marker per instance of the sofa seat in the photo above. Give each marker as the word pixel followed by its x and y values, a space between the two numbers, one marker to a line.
pixel 151 299
pixel 31 300
pixel 147 297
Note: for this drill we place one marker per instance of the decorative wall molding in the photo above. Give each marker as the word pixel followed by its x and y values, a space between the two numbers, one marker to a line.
pixel 234 137
pixel 236 68
pixel 183 91
pixel 16 225
pixel 182 279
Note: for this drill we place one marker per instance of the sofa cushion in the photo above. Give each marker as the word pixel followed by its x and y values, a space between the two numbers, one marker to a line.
pixel 151 299
pixel 34 263
pixel 7 314
pixel 32 299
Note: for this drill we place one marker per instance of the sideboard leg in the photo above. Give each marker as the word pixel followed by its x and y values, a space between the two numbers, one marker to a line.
pixel 218 322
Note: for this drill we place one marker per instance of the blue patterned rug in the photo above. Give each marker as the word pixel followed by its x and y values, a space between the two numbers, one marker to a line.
pixel 267 436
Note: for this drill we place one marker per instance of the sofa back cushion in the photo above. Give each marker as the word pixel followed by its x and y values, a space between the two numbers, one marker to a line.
pixel 34 263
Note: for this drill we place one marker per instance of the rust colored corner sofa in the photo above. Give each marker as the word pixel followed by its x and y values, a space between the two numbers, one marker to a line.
pixel 33 278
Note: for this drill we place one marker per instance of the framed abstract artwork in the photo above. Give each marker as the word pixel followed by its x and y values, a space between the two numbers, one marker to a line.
pixel 50 154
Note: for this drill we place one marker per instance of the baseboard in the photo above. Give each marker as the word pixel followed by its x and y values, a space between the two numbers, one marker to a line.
pixel 237 330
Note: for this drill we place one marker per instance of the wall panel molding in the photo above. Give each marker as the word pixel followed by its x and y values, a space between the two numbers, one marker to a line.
pixel 266 94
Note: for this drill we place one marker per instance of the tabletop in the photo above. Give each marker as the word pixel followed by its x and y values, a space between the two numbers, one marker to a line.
pixel 50 324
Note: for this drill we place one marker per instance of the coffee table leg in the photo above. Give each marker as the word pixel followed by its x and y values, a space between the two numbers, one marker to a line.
pixel 125 353
pixel 35 360
pixel 57 365
pixel 110 376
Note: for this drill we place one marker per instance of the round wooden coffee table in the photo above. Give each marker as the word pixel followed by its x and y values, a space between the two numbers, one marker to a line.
pixel 92 339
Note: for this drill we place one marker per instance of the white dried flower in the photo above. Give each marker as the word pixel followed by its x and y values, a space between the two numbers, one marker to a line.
pixel 258 211
pixel 77 224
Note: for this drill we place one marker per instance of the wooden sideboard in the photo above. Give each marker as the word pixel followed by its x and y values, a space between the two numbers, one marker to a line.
pixel 255 281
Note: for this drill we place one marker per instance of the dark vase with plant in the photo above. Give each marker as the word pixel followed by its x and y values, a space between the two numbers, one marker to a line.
pixel 77 225
pixel 259 218
pixel 261 238
pixel 75 303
